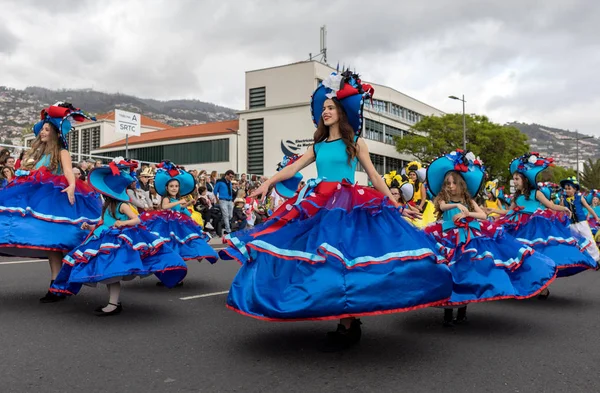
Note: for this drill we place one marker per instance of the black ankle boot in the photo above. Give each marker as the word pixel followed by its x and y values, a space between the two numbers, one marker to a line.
pixel 461 315
pixel 51 297
pixel 448 317
pixel 343 338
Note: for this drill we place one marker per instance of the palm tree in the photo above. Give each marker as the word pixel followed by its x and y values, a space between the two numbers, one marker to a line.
pixel 590 176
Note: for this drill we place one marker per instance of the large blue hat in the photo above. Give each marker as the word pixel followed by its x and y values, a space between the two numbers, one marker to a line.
pixel 504 197
pixel 465 164
pixel 288 187
pixel 60 116
pixel 113 180
pixel 530 165
pixel 348 89
pixel 167 171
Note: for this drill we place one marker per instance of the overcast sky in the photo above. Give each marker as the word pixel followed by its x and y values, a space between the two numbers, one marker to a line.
pixel 530 61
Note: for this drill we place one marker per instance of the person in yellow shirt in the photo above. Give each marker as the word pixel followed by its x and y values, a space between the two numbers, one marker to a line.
pixel 493 206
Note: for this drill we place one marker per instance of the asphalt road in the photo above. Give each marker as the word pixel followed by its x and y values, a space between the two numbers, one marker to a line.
pixel 161 343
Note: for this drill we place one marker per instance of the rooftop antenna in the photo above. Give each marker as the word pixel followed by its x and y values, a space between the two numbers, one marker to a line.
pixel 324 43
pixel 323 51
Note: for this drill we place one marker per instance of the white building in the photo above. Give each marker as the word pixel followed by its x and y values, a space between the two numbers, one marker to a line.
pixel 210 146
pixel 277 119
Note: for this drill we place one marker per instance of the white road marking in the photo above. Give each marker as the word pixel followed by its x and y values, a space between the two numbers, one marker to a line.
pixel 204 295
pixel 24 261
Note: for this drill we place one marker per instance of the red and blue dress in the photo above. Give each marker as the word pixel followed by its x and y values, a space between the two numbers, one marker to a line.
pixel 36 216
pixel 335 250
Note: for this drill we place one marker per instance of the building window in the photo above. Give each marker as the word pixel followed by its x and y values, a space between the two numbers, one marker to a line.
pixel 393 164
pixel 373 130
pixel 256 140
pixel 73 141
pixel 216 150
pixel 29 142
pixel 85 141
pixel 95 138
pixel 390 133
pixel 258 97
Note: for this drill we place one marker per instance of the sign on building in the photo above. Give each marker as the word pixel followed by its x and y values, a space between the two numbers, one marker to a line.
pixel 128 123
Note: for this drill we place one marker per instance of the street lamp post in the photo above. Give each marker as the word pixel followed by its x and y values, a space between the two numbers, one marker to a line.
pixel 577 139
pixel 464 120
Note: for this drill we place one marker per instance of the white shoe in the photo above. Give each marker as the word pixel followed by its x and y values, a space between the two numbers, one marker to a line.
pixel 208 226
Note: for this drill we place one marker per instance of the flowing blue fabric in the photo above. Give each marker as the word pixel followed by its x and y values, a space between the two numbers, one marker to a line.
pixel 348 259
pixel 555 240
pixel 491 268
pixel 117 254
pixel 182 234
pixel 36 216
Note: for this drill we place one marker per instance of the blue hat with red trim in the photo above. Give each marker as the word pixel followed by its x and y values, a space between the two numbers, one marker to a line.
pixel 348 89
pixel 530 165
pixel 113 180
pixel 167 171
pixel 60 115
pixel 464 163
pixel 593 193
pixel 287 188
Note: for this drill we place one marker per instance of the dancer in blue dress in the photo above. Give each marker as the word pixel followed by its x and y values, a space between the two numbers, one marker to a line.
pixel 576 203
pixel 484 268
pixel 539 223
pixel 321 255
pixel 118 249
pixel 174 223
pixel 42 210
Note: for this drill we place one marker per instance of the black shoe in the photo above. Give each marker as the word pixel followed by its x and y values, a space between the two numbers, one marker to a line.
pixel 343 338
pixel 98 311
pixel 448 317
pixel 544 295
pixel 52 298
pixel 160 284
pixel 461 316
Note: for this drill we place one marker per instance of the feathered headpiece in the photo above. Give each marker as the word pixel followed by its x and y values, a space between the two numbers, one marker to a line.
pixel 349 90
pixel 113 180
pixel 60 115
pixel 530 165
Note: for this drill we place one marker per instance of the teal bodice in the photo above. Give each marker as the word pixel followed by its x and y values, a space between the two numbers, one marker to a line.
pixel 529 205
pixel 448 223
pixel 45 161
pixel 332 161
pixel 179 208
pixel 596 210
pixel 108 220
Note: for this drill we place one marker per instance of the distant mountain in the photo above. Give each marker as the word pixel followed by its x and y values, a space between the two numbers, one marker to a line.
pixel 20 108
pixel 560 144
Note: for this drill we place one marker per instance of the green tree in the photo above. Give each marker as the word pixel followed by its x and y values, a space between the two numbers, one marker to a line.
pixel 496 144
pixel 590 176
pixel 556 173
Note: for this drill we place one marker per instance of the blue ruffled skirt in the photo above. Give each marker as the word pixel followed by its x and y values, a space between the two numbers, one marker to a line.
pixel 119 254
pixel 549 234
pixel 182 234
pixel 492 268
pixel 36 216
pixel 342 251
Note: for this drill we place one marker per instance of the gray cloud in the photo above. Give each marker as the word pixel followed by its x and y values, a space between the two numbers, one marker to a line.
pixel 514 60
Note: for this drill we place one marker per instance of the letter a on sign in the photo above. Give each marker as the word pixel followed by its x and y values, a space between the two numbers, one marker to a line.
pixel 127 123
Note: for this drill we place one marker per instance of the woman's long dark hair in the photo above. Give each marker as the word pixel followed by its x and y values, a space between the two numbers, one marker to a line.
pixel 527 188
pixel 110 204
pixel 322 132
